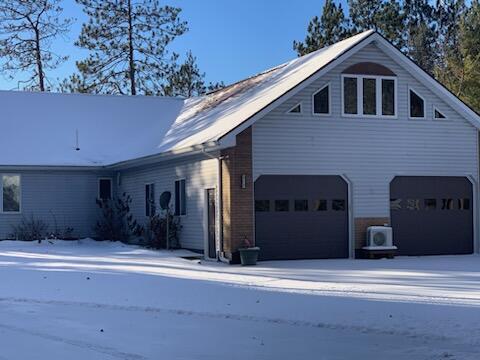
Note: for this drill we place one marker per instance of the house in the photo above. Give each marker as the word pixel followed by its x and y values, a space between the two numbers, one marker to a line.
pixel 299 159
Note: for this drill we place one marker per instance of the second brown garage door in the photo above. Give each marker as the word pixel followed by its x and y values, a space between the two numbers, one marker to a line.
pixel 432 215
pixel 301 217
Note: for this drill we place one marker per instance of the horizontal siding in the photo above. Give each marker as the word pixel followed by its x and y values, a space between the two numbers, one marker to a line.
pixel 369 151
pixel 200 174
pixel 67 196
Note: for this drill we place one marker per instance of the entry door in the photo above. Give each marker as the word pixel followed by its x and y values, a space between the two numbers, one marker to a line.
pixel 211 223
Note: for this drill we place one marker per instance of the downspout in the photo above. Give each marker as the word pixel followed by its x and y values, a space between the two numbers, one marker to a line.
pixel 220 252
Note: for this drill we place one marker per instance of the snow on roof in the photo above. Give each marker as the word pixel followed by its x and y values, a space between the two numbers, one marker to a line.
pixel 41 128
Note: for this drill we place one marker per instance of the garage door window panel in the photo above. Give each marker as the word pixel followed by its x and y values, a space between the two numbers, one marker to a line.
pixel 430 204
pixel 262 205
pixel 447 204
pixel 282 205
pixel 338 205
pixel 395 204
pixel 464 204
pixel 301 205
pixel 320 205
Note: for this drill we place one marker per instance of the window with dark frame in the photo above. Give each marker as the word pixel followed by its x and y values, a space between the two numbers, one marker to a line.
pixel 417 105
pixel 321 101
pixel 338 205
pixel 150 208
pixel 105 189
pixel 180 198
pixel 430 204
pixel 282 205
pixel 388 97
pixel 301 205
pixel 262 205
pixel 320 205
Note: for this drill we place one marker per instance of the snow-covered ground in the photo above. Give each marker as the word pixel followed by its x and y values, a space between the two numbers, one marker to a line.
pixel 88 300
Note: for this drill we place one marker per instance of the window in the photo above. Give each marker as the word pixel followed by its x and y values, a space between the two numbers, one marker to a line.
pixel 447 204
pixel 338 205
pixel 150 200
pixel 301 205
pixel 320 205
pixel 262 205
pixel 464 204
pixel 321 101
pixel 105 189
pixel 282 205
pixel 413 204
pixel 350 95
pixel 369 95
pixel 430 204
pixel 180 198
pixel 395 204
pixel 417 105
pixel 297 109
pixel 388 97
pixel 11 193
pixel 437 114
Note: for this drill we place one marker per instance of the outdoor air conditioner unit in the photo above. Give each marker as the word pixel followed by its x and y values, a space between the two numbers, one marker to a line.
pixel 379 238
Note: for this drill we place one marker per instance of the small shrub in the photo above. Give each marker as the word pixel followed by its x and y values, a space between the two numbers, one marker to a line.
pixel 116 223
pixel 156 231
pixel 61 233
pixel 30 229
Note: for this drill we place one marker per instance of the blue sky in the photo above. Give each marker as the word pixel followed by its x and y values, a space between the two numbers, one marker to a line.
pixel 231 39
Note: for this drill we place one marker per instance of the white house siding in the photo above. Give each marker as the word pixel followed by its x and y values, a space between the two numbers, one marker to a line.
pixel 67 196
pixel 369 151
pixel 200 174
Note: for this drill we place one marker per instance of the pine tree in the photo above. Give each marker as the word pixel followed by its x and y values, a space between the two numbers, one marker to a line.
pixel 330 28
pixel 422 33
pixel 27 30
pixel 187 80
pixel 128 43
pixel 385 17
pixel 460 72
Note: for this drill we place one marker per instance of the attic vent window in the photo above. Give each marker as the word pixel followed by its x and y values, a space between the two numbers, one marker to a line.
pixel 321 101
pixel 297 109
pixel 417 105
pixel 438 114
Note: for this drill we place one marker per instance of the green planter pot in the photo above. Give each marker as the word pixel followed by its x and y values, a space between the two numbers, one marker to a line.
pixel 249 256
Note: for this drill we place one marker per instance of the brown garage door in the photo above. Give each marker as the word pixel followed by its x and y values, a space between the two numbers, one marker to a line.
pixel 301 217
pixel 432 215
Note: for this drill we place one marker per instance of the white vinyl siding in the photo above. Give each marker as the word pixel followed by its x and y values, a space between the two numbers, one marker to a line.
pixel 369 151
pixel 201 175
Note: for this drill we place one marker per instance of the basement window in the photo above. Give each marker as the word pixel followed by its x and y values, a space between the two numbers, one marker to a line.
pixel 11 193
pixel 369 95
pixel 416 105
pixel 321 101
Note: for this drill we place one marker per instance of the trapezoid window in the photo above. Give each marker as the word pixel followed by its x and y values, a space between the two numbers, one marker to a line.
pixel 417 105
pixel 321 101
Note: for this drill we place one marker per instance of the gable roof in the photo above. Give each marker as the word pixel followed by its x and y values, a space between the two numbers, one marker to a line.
pixel 40 129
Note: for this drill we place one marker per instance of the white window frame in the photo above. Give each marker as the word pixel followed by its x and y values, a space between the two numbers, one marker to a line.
pixel 378 84
pixel 329 101
pixel 180 197
pixel 436 108
pixel 145 200
pixel 424 105
pixel 19 195
pixel 111 187
pixel 293 107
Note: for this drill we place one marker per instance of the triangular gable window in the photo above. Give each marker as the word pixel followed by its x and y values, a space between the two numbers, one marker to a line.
pixel 438 114
pixel 297 109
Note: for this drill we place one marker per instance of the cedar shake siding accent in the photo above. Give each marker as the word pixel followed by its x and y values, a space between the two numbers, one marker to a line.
pixel 238 217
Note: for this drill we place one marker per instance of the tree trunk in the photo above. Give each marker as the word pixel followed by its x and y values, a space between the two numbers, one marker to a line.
pixel 131 68
pixel 41 76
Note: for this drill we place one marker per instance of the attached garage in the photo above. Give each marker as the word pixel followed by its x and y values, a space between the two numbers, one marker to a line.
pixel 432 215
pixel 301 217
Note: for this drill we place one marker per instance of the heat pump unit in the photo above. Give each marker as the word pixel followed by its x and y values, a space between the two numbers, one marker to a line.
pixel 379 238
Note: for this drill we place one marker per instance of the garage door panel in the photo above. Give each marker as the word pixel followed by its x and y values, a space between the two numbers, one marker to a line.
pixel 432 215
pixel 317 231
